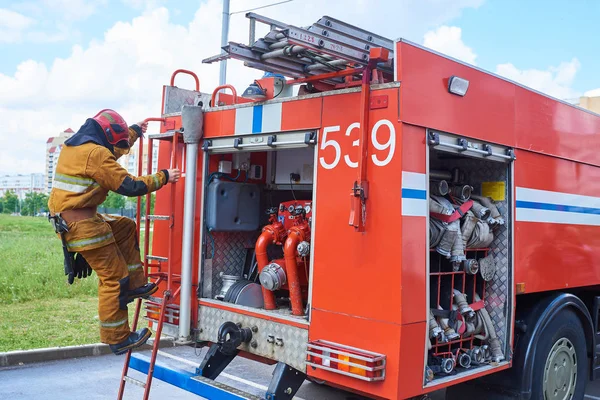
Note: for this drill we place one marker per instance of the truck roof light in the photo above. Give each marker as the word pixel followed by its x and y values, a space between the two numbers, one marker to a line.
pixel 458 86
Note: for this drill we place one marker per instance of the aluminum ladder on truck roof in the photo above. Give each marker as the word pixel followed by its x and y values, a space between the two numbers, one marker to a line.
pixel 327 46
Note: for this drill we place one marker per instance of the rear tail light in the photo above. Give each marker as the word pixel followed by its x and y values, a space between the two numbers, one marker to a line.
pixel 346 360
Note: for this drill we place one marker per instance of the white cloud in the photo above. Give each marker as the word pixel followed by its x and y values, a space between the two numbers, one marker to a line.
pixel 592 93
pixel 12 25
pixel 13 20
pixel 448 40
pixel 126 68
pixel 554 81
pixel 74 10
pixel 143 4
pixel 61 33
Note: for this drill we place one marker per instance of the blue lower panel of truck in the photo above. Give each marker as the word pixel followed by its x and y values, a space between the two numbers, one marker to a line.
pixel 188 381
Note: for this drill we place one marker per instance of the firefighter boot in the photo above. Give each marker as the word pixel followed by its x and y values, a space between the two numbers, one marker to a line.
pixel 144 292
pixel 134 340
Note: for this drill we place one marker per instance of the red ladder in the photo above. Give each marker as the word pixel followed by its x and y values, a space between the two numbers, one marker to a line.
pixel 169 295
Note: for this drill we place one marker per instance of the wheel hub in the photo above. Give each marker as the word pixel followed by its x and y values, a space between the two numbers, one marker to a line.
pixel 560 371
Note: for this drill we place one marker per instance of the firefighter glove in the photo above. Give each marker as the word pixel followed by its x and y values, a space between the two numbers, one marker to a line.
pixel 81 267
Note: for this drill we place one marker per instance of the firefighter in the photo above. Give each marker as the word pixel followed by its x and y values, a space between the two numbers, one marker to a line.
pixel 87 170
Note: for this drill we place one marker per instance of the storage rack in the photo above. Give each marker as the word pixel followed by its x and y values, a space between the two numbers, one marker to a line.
pixel 442 280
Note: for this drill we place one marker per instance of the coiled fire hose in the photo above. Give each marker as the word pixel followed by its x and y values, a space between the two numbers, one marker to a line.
pixel 440 205
pixel 457 254
pixel 469 221
pixel 495 218
pixel 446 238
pixel 463 306
pixel 448 331
pixel 479 210
pixel 436 231
pixel 481 237
pixel 494 342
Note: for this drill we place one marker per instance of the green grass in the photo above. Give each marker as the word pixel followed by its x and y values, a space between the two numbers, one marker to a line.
pixel 32 264
pixel 47 323
pixel 38 308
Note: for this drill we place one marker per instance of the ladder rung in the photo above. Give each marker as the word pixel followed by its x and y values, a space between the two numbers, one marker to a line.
pixel 134 381
pixel 157 258
pixel 168 135
pixel 158 217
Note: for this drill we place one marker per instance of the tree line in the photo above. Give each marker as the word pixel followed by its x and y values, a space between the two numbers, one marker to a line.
pixel 35 203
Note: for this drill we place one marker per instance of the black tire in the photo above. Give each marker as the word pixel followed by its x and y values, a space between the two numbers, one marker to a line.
pixel 562 342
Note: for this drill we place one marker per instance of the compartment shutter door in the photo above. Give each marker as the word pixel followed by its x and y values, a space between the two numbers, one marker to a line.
pixel 261 142
pixel 446 142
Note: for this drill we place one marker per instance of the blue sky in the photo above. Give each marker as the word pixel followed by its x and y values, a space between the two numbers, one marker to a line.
pixel 535 35
pixel 62 60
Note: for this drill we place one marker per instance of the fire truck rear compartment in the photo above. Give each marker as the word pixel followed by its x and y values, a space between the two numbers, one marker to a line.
pixel 246 192
pixel 470 262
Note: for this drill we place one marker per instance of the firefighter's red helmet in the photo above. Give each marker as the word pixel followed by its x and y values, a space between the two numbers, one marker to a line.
pixel 114 127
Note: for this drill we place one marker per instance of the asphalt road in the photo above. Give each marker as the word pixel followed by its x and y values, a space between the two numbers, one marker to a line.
pixel 97 378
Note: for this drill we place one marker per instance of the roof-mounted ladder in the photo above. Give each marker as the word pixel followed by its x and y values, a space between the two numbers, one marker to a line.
pixel 327 46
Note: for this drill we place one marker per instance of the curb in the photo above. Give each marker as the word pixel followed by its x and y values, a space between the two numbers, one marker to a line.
pixel 22 357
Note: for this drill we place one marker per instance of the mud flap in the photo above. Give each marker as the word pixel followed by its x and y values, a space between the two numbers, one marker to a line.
pixel 214 362
pixel 285 382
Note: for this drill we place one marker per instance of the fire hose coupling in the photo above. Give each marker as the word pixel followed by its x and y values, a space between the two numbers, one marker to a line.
pixel 442 365
pixel 435 332
pixel 495 347
pixel 470 266
pixel 462 192
pixel 464 360
pixel 448 240
pixel 272 277
pixel 440 205
pixel 231 336
pixel 463 307
pixel 486 354
pixel 496 350
pixel 303 248
pixel 480 210
pixel 448 330
pixel 457 254
pixel 439 188
pixel 494 218
pixel 477 356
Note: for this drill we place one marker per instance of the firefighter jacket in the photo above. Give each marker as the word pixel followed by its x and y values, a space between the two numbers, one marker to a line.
pixel 87 169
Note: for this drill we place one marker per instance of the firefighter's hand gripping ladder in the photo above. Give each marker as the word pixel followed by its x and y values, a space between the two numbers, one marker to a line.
pixel 172 135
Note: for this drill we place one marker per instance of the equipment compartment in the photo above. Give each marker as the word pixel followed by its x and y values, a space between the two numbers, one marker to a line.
pixel 265 266
pixel 470 262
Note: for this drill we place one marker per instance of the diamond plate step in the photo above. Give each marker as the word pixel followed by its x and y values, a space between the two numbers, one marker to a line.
pixel 229 389
pixel 157 258
pixel 134 381
pixel 158 217
pixel 168 135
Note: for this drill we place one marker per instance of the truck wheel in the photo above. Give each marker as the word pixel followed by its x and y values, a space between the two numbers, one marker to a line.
pixel 560 365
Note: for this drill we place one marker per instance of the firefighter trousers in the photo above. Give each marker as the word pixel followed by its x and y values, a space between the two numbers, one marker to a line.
pixel 119 269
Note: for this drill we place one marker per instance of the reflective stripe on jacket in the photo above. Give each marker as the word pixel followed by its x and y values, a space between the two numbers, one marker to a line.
pixel 84 176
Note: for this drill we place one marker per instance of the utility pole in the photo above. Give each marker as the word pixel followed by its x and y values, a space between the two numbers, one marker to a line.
pixel 225 32
pixel 224 35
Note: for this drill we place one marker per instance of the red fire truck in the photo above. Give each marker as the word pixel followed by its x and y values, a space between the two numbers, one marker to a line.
pixel 378 217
